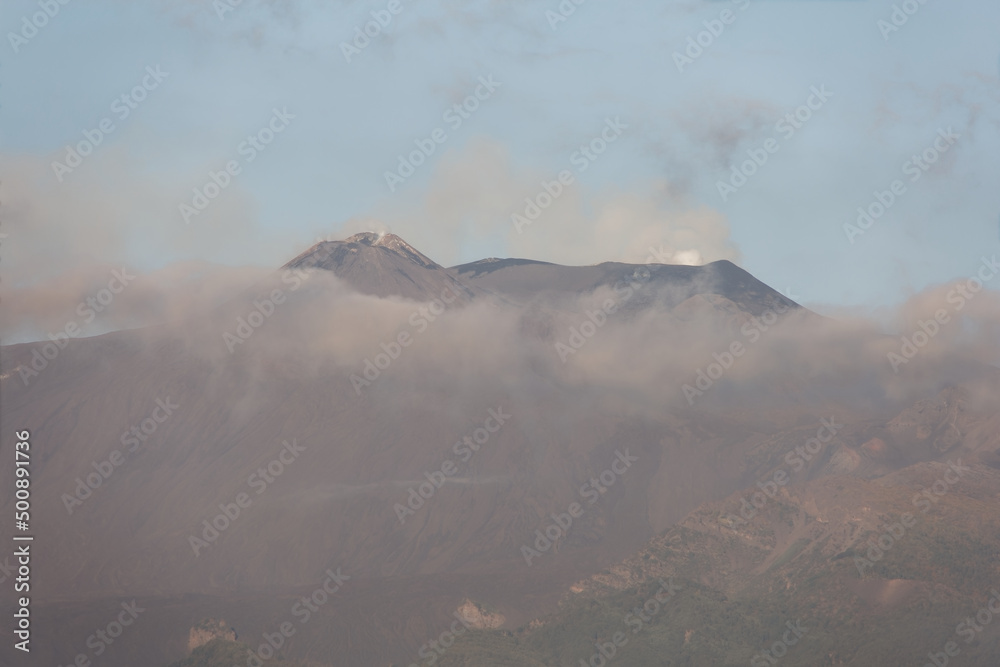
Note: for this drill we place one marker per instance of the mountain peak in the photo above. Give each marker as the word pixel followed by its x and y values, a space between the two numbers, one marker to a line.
pixel 392 243
pixel 383 265
pixel 375 239
pixel 365 238
pixel 321 254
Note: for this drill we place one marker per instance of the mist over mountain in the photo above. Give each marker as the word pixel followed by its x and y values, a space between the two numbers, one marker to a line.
pixel 483 437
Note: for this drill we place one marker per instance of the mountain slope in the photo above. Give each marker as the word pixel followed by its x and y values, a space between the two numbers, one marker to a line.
pixel 804 568
pixel 342 466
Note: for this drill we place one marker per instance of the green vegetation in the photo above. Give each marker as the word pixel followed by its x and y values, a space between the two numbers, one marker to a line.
pixel 740 584
pixel 905 606
pixel 224 653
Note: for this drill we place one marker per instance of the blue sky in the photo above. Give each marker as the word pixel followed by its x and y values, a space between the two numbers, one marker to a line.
pixel 656 185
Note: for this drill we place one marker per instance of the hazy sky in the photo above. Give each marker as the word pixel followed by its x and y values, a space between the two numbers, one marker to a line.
pixel 672 135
